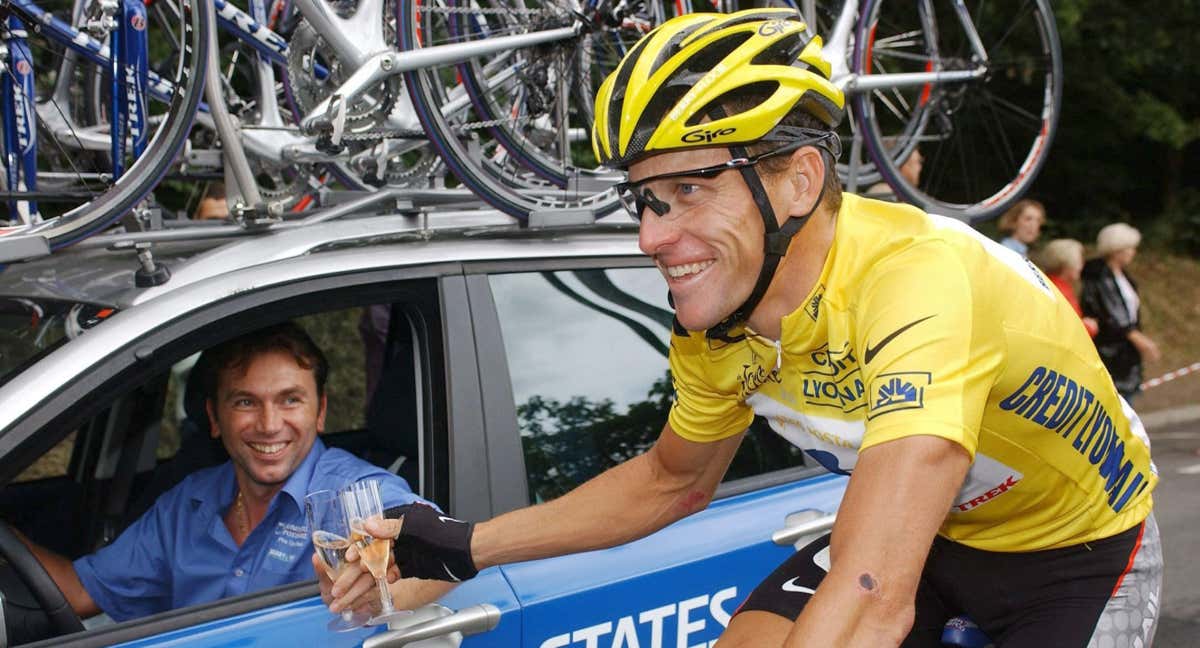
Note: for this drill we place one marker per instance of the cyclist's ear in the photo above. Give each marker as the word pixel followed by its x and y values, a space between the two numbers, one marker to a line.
pixel 806 177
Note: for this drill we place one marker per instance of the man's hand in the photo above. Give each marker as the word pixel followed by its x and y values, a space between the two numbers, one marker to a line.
pixel 355 589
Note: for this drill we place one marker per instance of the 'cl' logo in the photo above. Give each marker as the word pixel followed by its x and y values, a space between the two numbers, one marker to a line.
pixel 698 136
pixel 23 67
pixel 138 22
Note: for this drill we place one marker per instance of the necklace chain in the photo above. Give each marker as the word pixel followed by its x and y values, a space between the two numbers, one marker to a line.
pixel 243 518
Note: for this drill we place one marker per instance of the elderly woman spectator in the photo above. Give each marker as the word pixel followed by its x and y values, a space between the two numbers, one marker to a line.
pixel 1110 295
pixel 1021 225
pixel 1062 260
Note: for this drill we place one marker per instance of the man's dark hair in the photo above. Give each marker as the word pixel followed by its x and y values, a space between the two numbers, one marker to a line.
pixel 800 119
pixel 238 352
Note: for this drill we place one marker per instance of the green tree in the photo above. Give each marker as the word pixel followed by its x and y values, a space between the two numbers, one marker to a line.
pixel 1127 141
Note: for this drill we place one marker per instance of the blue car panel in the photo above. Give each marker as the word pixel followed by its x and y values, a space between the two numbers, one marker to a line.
pixel 678 587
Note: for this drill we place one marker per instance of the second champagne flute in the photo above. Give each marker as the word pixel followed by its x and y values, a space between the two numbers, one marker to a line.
pixel 364 503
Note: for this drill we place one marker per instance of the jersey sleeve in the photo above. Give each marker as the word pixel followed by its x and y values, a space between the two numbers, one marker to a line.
pixel 931 354
pixel 130 578
pixel 704 409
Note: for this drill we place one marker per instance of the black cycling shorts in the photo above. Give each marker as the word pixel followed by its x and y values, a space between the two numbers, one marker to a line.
pixel 1107 590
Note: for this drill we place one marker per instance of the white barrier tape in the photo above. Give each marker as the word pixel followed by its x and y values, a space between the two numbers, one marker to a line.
pixel 1171 375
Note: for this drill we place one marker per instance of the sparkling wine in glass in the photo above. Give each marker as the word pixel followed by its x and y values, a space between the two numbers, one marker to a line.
pixel 331 535
pixel 365 503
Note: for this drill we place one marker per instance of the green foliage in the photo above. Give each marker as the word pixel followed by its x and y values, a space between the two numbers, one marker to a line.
pixel 1129 137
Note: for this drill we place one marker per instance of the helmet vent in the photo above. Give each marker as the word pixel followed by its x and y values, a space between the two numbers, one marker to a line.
pixel 743 99
pixel 785 51
pixel 715 52
pixel 655 113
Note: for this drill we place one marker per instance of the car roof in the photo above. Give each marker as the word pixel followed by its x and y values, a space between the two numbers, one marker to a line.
pixel 207 274
pixel 100 271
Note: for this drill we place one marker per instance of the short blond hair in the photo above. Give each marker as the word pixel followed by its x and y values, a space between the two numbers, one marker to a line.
pixel 1117 237
pixel 1060 254
pixel 1008 222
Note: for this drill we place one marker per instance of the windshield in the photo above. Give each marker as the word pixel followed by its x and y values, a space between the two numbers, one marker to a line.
pixel 31 328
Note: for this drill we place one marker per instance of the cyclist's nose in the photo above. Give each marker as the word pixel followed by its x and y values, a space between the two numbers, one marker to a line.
pixel 655 232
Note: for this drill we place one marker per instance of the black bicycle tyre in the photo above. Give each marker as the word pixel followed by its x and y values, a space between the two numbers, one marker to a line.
pixel 518 200
pixel 148 170
pixel 999 200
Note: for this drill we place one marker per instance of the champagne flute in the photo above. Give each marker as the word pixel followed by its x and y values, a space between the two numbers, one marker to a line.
pixel 364 503
pixel 331 536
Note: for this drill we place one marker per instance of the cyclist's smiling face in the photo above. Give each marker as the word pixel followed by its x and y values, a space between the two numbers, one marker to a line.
pixel 709 246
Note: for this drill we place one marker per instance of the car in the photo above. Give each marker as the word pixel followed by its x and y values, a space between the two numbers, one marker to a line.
pixel 494 366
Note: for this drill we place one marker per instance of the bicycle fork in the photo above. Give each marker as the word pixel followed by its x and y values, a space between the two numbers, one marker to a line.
pixel 19 125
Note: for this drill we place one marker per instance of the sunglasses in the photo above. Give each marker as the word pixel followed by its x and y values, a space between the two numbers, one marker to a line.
pixel 636 197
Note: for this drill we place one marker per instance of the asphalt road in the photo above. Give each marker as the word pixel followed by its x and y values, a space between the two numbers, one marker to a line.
pixel 1177 506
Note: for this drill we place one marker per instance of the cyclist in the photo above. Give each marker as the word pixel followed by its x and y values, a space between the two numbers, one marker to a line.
pixel 994 469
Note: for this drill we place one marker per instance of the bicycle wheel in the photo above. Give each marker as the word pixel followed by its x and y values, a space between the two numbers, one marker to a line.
pixel 76 157
pixel 520 140
pixel 984 140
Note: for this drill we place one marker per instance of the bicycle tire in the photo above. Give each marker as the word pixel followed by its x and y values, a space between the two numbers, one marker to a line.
pixel 500 169
pixel 119 197
pixel 965 177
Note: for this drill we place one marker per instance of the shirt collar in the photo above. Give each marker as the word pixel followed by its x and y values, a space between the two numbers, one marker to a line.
pixel 296 486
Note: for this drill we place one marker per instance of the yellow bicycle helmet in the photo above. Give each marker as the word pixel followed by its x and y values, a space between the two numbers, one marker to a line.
pixel 683 72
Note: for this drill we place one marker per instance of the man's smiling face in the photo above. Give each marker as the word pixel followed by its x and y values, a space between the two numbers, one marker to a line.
pixel 267 413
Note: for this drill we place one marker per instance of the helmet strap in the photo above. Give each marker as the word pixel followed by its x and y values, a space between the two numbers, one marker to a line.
pixel 776 240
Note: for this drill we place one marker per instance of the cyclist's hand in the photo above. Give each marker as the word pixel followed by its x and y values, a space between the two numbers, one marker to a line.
pixel 431 545
pixel 355 589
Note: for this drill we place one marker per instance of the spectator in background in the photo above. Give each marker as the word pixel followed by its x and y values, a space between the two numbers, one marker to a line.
pixel 1021 225
pixel 1062 260
pixel 1111 296
pixel 212 205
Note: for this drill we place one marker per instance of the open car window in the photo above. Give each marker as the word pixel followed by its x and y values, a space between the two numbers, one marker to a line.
pixel 152 431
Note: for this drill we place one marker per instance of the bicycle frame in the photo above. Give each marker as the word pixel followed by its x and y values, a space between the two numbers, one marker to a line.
pixel 837 51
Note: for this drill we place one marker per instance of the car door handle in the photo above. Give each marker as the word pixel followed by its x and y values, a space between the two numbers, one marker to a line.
pixel 793 532
pixel 467 621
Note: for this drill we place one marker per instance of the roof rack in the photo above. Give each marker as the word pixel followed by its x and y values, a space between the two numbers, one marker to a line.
pixel 403 200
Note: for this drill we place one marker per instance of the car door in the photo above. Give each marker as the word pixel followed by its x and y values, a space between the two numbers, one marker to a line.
pixel 574 361
pixel 144 343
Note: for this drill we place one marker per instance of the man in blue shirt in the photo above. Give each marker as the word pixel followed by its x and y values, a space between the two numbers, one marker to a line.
pixel 240 526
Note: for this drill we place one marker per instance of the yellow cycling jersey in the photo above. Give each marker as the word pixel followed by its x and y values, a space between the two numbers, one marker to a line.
pixel 919 325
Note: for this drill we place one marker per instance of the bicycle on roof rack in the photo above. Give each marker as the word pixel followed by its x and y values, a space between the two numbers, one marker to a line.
pixel 503 90
pixel 126 88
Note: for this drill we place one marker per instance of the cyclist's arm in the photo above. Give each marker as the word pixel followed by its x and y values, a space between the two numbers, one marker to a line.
pixel 62 572
pixel 897 498
pixel 673 479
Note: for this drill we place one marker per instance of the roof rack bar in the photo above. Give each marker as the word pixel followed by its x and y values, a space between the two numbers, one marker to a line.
pixel 350 206
pixel 21 247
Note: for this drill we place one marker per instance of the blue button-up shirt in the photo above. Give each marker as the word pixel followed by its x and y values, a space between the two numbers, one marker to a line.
pixel 181 553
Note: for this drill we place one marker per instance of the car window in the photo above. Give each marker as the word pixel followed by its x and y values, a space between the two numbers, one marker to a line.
pixel 587 355
pixel 52 464
pixel 28 329
pixel 149 434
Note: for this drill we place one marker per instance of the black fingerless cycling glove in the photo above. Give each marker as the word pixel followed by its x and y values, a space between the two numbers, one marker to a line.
pixel 431 545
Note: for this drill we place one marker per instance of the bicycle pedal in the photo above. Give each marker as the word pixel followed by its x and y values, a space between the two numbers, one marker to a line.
pixel 326 145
